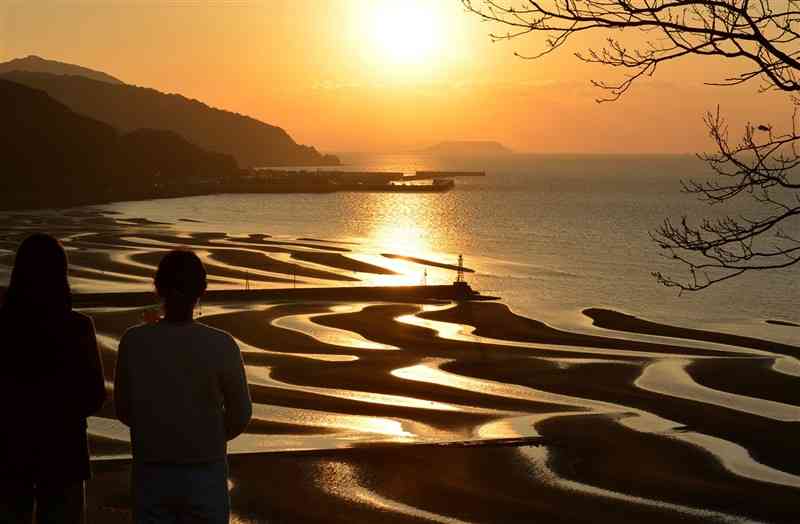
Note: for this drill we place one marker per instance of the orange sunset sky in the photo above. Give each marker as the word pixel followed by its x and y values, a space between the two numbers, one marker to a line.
pixel 379 75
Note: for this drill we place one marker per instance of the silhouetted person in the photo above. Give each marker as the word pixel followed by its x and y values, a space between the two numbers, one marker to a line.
pixel 181 387
pixel 51 379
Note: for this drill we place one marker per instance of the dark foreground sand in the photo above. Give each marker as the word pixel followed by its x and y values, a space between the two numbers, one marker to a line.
pixel 486 483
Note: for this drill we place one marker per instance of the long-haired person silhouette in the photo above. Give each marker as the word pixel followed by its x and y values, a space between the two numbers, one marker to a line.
pixel 181 387
pixel 51 380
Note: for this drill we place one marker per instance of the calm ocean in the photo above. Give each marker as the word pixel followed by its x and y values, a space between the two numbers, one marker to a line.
pixel 551 235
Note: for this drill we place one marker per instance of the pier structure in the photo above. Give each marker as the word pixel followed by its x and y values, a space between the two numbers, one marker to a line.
pixel 329 180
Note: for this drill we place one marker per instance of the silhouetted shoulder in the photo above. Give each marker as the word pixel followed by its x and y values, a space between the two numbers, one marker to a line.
pixel 212 337
pixel 218 336
pixel 134 329
pixel 82 323
pixel 137 331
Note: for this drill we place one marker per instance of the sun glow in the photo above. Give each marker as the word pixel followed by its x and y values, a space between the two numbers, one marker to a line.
pixel 405 33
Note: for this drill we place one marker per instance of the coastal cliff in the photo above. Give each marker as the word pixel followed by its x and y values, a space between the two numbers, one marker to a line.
pixel 126 107
pixel 55 157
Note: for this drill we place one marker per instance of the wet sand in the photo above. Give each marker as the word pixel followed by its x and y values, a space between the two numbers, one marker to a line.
pixel 493 320
pixel 342 262
pixel 621 322
pixel 263 262
pixel 426 262
pixel 152 258
pixel 371 410
pixel 782 323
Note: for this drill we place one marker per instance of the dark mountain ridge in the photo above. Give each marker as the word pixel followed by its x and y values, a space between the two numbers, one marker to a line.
pixel 127 108
pixel 55 157
pixel 37 64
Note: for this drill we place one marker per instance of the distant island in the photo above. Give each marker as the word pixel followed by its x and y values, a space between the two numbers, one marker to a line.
pixel 127 108
pixel 468 148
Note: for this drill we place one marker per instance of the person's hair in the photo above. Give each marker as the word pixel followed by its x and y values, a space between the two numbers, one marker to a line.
pixel 39 282
pixel 181 277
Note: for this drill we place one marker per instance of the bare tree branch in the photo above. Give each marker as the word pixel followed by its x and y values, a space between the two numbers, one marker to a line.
pixel 762 39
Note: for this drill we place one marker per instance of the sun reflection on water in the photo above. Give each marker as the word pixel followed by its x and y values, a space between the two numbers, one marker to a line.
pixel 406 225
pixel 410 225
pixel 408 237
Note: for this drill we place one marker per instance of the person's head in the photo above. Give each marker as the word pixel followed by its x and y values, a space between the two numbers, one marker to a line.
pixel 39 283
pixel 180 282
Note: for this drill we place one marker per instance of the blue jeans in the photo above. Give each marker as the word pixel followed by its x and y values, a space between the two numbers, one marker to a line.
pixel 181 493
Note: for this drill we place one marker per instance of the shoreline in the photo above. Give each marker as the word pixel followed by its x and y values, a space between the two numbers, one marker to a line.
pixel 413 294
pixel 27 201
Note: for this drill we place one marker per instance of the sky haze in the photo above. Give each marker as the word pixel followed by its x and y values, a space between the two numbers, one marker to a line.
pixel 379 75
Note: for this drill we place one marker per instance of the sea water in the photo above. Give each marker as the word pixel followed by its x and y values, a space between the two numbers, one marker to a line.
pixel 549 234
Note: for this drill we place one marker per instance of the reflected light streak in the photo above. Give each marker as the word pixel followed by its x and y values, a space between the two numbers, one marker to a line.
pixel 670 378
pixel 404 223
pixel 330 335
pixel 326 357
pixel 407 236
pixel 787 366
pixel 539 460
pixel 465 333
pixel 310 417
pixel 263 376
pixel 431 372
pixel 342 480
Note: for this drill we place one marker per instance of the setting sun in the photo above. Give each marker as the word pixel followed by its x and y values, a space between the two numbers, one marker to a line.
pixel 408 33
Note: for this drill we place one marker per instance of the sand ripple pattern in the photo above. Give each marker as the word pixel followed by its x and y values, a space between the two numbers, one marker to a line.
pixel 511 420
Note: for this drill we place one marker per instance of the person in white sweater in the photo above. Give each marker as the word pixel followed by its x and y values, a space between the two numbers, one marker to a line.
pixel 181 387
